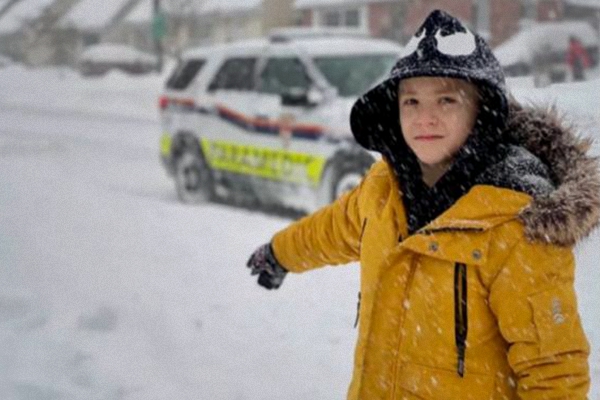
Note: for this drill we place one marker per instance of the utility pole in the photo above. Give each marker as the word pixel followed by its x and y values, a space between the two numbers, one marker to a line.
pixel 159 26
pixel 598 26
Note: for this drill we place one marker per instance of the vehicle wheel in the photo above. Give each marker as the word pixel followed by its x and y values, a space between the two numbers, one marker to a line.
pixel 346 181
pixel 341 176
pixel 193 179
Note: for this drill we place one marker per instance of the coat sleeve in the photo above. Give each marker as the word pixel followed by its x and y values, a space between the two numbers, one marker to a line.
pixel 330 236
pixel 533 298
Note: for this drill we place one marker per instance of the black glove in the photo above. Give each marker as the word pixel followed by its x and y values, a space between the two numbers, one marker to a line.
pixel 264 264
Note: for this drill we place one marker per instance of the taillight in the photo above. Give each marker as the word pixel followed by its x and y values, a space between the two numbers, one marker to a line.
pixel 163 102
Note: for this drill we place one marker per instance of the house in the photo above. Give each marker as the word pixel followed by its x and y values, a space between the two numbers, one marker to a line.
pixel 90 22
pixel 202 22
pixel 135 28
pixel 226 21
pixel 26 30
pixel 55 31
pixel 496 20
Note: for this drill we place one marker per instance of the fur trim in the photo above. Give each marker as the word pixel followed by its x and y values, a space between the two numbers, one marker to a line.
pixel 572 211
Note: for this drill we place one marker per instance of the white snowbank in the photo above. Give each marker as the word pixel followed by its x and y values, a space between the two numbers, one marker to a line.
pixel 111 52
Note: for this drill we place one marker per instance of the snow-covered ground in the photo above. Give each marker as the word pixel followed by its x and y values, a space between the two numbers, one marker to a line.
pixel 111 289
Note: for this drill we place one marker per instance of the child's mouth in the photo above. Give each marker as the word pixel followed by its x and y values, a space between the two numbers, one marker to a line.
pixel 428 138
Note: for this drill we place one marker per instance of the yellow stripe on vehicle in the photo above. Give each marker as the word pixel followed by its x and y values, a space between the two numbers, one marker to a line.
pixel 280 165
pixel 165 144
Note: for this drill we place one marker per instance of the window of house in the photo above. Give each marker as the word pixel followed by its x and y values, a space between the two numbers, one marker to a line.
pixel 284 76
pixel 348 17
pixel 352 18
pixel 332 18
pixel 529 9
pixel 185 74
pixel 235 74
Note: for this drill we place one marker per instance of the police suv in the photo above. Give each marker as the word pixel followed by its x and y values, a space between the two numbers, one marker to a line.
pixel 266 121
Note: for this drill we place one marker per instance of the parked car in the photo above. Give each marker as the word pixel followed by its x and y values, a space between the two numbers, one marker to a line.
pixel 267 121
pixel 540 50
pixel 100 58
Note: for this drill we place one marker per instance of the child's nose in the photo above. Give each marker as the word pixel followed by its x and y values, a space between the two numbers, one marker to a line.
pixel 427 117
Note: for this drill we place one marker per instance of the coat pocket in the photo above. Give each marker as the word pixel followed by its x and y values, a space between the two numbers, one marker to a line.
pixel 423 382
pixel 557 322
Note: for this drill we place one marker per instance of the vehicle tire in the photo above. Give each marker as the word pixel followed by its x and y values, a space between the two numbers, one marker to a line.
pixel 346 180
pixel 193 178
pixel 342 175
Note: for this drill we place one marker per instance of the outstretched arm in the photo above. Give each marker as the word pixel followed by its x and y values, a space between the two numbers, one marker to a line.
pixel 330 236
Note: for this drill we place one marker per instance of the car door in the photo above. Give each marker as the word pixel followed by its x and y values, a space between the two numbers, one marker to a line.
pixel 289 96
pixel 289 104
pixel 231 141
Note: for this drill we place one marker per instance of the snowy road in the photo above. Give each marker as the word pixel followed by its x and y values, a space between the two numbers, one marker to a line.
pixel 111 289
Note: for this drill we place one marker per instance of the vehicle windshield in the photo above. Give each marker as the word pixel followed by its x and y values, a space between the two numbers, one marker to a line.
pixel 353 75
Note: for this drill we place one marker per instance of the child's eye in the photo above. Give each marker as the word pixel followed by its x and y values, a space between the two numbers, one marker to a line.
pixel 447 100
pixel 409 102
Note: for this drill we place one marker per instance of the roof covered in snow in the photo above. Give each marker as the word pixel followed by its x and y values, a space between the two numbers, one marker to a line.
pixel 229 6
pixel 547 37
pixel 92 14
pixel 141 13
pixel 23 11
pixel 210 7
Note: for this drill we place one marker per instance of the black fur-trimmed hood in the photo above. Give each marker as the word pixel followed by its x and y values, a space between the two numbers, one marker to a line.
pixel 571 211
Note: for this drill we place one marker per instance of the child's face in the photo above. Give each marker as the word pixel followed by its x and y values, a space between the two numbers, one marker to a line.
pixel 436 116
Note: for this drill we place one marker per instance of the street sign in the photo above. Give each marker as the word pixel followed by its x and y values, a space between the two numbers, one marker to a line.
pixel 159 26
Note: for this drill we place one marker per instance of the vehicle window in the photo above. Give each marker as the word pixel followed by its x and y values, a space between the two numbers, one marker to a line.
pixel 284 75
pixel 353 75
pixel 184 74
pixel 235 74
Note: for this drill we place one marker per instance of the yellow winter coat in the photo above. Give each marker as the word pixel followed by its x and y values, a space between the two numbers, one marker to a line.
pixel 482 267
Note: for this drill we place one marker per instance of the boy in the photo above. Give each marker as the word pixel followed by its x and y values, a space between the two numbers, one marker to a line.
pixel 464 232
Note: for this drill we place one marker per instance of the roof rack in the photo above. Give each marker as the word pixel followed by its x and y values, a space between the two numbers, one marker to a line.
pixel 290 33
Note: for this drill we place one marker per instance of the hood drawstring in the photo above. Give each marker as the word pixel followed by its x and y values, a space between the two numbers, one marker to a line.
pixel 461 323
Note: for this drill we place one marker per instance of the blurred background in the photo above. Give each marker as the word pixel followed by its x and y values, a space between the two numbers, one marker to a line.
pixel 114 283
pixel 65 32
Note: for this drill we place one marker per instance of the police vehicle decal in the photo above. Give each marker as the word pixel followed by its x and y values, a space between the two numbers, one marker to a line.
pixel 279 165
pixel 273 127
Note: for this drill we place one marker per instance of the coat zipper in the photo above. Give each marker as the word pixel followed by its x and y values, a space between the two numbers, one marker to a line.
pixel 461 323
